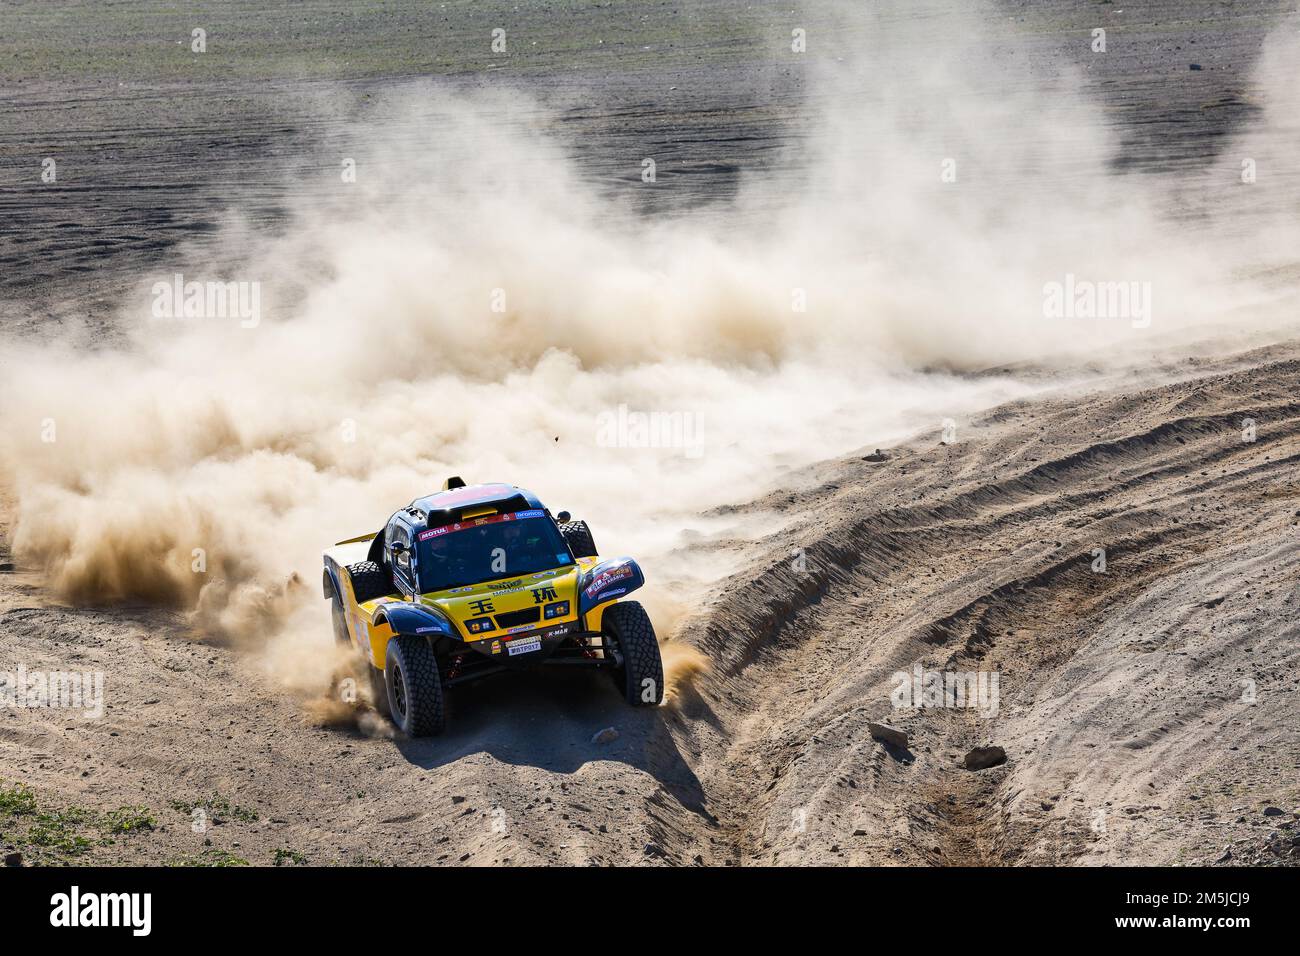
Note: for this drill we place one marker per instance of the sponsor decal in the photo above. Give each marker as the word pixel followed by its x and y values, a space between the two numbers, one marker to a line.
pixel 521 627
pixel 544 594
pixel 606 578
pixel 524 647
pixel 483 606
pixel 474 523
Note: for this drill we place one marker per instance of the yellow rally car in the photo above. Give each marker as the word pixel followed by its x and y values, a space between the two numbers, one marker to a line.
pixel 477 579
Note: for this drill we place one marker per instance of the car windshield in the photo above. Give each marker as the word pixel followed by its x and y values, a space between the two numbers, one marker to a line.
pixel 487 549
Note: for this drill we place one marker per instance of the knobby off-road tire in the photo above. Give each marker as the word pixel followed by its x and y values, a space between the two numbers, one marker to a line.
pixel 378 693
pixel 414 687
pixel 378 689
pixel 641 678
pixel 578 537
pixel 337 619
pixel 369 581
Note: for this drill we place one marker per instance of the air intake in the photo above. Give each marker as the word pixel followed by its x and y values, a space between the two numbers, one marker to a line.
pixel 528 615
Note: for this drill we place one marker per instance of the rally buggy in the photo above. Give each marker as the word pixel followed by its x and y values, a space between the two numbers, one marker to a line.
pixel 476 580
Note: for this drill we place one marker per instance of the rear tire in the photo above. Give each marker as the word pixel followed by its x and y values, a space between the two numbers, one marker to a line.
pixel 340 623
pixel 370 581
pixel 414 687
pixel 641 678
pixel 578 537
pixel 378 689
pixel 378 692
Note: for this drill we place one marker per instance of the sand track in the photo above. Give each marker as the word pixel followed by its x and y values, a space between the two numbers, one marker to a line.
pixel 1121 704
pixel 989 566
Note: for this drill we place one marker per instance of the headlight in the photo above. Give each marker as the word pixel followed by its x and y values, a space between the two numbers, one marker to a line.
pixel 559 609
pixel 479 626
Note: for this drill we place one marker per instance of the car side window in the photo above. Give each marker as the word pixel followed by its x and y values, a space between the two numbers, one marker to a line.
pixel 400 555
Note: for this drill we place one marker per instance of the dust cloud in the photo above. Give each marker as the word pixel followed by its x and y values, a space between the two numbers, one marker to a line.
pixel 472 305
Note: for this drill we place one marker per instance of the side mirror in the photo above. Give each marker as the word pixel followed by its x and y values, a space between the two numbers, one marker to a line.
pixel 563 516
pixel 401 555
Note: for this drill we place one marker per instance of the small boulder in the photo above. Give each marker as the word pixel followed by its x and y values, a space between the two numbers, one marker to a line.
pixel 888 734
pixel 13 859
pixel 1273 811
pixel 878 456
pixel 606 736
pixel 980 758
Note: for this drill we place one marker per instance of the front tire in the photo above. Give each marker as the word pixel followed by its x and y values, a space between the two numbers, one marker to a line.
pixel 641 678
pixel 414 687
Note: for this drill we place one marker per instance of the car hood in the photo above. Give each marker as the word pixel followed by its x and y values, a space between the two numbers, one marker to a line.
pixel 514 605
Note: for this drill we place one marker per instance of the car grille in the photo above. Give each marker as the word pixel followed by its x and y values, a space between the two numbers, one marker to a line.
pixel 528 615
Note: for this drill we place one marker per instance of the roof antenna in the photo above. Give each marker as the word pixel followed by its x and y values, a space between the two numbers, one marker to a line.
pixel 455 481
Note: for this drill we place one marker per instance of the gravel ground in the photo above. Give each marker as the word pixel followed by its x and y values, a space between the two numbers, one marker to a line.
pixel 153 142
